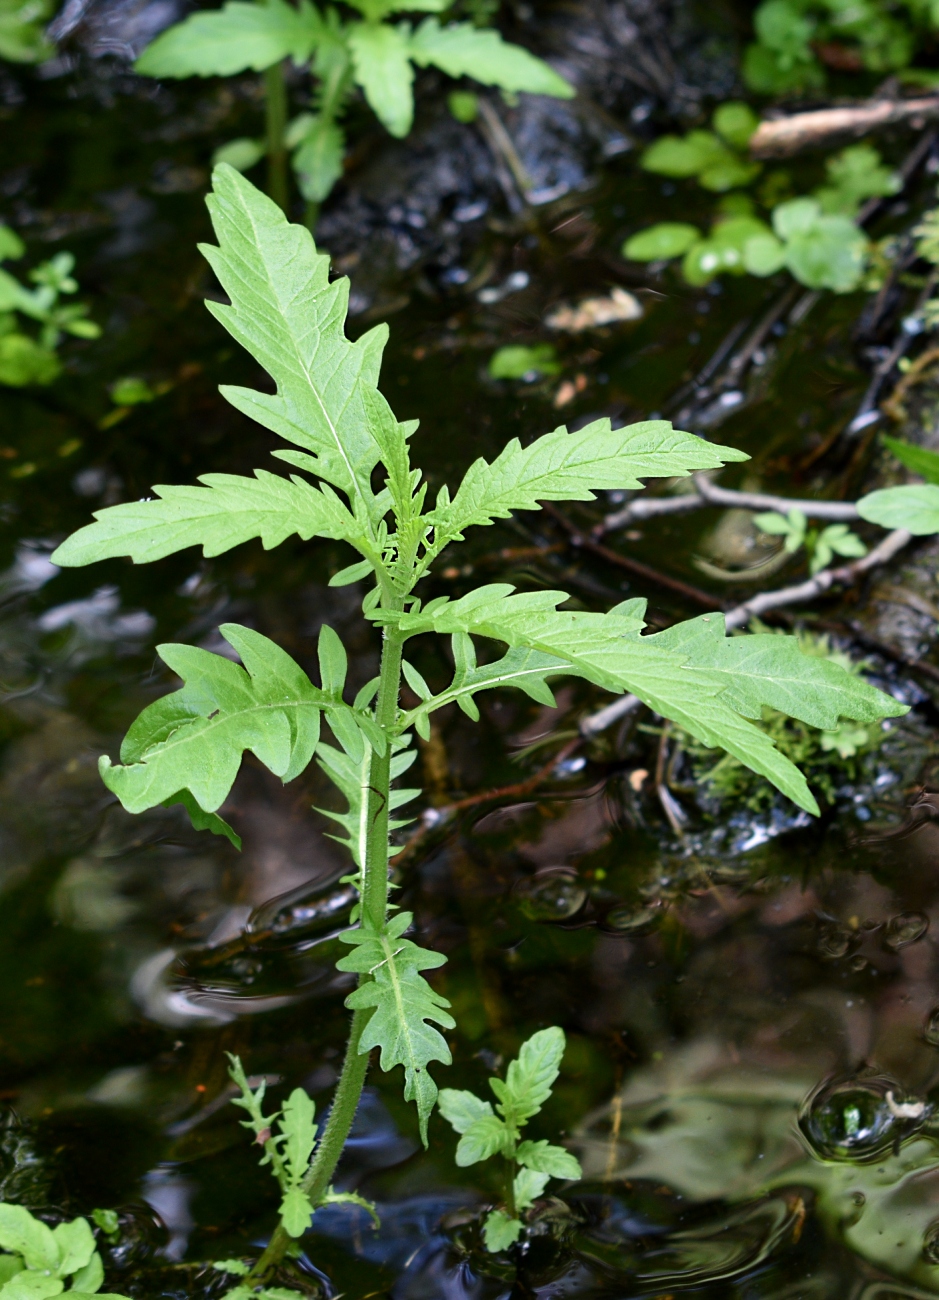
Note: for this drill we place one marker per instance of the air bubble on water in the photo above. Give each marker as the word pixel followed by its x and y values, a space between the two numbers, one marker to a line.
pixel 931 1242
pixel 836 941
pixel 552 894
pixel 904 929
pixel 860 1117
pixel 634 921
pixel 858 962
pixel 931 1028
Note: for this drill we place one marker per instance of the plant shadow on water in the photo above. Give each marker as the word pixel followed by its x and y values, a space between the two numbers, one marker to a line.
pixel 749 1001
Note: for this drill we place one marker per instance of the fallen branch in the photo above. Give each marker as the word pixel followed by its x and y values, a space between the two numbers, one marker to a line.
pixel 782 137
pixel 843 576
pixel 626 562
pixel 708 494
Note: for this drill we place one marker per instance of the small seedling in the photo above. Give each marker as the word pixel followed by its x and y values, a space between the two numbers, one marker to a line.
pixel 483 1133
pixel 187 747
pixel 822 544
pixel 374 54
pixel 25 359
pixel 36 1260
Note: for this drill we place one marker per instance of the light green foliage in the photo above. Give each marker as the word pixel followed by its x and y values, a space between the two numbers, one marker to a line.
pixel 375 55
pixel 187 746
pixel 463 105
pixel 22 38
pixel 24 358
pixel 927 237
pixel 823 545
pixel 920 460
pixel 829 751
pixel 661 242
pixel 854 175
pixel 915 508
pixel 713 157
pixel 404 1004
pixel 517 362
pixel 815 238
pixel 39 1259
pixel 874 35
pixel 485 1132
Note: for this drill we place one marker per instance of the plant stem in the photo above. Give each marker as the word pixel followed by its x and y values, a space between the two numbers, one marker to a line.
pixel 275 91
pixel 374 909
pixel 510 1198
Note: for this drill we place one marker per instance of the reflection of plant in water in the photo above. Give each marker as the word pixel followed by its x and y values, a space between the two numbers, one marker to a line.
pixel 522 1093
pixel 371 53
pixel 187 747
pixel 23 358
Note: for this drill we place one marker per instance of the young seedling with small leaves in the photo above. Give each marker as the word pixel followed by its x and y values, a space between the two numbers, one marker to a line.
pixel 367 51
pixel 485 1132
pixel 822 544
pixel 25 359
pixel 288 1151
pixel 187 746
pixel 37 1261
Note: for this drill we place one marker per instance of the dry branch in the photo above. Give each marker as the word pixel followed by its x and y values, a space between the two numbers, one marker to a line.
pixel 782 137
pixel 708 494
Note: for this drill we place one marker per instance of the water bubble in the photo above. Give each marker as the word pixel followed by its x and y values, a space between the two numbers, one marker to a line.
pixel 858 1118
pixel 905 929
pixel 858 962
pixel 931 1028
pixel 552 894
pixel 931 1242
pixel 636 920
pixel 836 940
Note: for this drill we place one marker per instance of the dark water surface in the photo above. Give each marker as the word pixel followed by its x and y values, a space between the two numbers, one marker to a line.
pixel 749 1005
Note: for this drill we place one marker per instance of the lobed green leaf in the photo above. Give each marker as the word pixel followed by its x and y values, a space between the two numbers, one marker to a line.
pixel 222 42
pixel 382 68
pixel 562 466
pixel 530 1077
pixel 194 738
pixel 547 1159
pixel 285 311
pixel 403 1004
pixel 463 50
pixel 230 509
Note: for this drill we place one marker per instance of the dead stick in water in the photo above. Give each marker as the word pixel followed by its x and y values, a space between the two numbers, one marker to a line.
pixel 782 137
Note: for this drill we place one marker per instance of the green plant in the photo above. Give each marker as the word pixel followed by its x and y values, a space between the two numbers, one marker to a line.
pixel 187 746
pixel 39 1260
pixel 483 1133
pixel 716 158
pixel 832 756
pixel 517 362
pixel 23 358
pixel 22 38
pixel 797 38
pixel 822 544
pixel 369 52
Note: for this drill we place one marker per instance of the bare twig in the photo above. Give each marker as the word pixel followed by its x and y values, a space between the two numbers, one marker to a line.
pixel 709 494
pixel 785 136
pixel 641 570
pixel 843 576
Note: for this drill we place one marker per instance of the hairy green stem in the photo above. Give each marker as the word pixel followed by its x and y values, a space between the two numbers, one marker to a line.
pixel 275 92
pixel 374 910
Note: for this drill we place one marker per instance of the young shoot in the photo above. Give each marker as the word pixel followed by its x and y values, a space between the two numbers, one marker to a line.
pixel 187 747
pixel 484 1133
pixel 27 358
pixel 288 1151
pixel 368 51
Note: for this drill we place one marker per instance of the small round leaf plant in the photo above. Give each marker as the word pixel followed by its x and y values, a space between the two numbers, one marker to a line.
pixel 353 481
